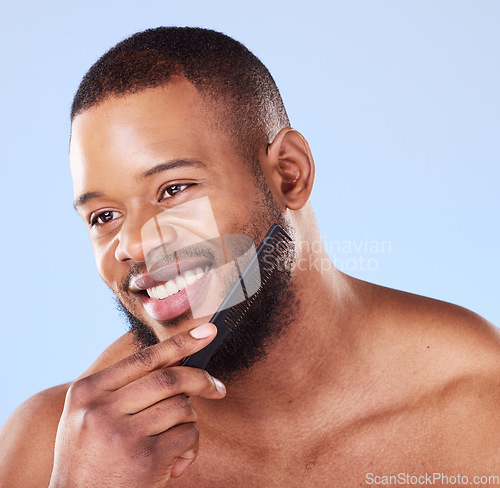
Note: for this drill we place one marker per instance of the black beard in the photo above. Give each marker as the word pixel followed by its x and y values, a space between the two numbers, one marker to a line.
pixel 266 319
pixel 262 324
pixel 272 310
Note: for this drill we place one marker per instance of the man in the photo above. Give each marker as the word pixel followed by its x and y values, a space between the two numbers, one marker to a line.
pixel 330 381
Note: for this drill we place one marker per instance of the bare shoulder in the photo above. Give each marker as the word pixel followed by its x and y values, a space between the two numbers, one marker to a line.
pixel 443 360
pixel 28 436
pixel 442 329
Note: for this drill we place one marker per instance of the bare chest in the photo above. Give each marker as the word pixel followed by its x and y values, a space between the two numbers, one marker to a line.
pixel 341 463
pixel 406 449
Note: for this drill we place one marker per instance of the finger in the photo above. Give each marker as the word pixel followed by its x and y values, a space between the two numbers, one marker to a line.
pixel 165 383
pixel 182 463
pixel 142 362
pixel 164 415
pixel 181 441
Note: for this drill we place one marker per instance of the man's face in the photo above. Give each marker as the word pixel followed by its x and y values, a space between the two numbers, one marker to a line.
pixel 134 158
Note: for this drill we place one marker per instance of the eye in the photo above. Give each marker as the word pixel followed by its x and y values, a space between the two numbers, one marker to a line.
pixel 103 217
pixel 172 190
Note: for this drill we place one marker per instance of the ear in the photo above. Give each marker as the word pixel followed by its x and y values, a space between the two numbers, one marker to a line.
pixel 288 166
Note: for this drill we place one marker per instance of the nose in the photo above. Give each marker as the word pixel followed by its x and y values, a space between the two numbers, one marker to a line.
pixel 138 236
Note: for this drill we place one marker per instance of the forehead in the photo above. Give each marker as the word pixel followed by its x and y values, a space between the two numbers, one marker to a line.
pixel 130 133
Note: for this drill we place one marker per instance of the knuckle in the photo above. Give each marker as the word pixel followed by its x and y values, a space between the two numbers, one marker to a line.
pixel 183 404
pixel 98 413
pixel 178 342
pixel 189 435
pixel 148 453
pixel 92 422
pixel 92 417
pixel 79 393
pixel 165 448
pixel 166 378
pixel 101 421
pixel 144 451
pixel 145 359
pixel 177 407
pixel 186 437
pixel 207 378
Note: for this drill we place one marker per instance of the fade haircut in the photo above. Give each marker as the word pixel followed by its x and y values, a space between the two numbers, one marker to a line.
pixel 248 105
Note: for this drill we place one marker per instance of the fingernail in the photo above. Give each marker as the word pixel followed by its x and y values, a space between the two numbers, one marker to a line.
pixel 219 386
pixel 202 331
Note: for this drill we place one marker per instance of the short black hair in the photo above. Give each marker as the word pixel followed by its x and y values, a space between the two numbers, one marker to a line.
pixel 249 105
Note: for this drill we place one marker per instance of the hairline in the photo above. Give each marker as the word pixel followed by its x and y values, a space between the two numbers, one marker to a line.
pixel 251 161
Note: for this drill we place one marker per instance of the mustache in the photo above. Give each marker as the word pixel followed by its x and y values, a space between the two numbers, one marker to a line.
pixel 161 256
pixel 136 269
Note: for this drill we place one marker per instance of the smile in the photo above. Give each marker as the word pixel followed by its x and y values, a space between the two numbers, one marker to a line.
pixel 176 285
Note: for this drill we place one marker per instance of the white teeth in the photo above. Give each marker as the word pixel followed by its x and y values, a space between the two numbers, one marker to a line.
pixel 160 291
pixel 190 277
pixel 171 287
pixel 180 282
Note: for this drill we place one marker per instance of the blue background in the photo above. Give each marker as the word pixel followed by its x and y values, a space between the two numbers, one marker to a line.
pixel 398 99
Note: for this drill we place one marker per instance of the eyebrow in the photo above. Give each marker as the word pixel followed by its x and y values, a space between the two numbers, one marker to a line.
pixel 175 163
pixel 84 198
pixel 165 166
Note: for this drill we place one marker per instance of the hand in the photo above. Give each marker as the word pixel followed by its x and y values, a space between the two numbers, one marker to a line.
pixel 132 425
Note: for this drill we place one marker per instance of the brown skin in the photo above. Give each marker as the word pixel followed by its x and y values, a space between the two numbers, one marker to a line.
pixel 365 379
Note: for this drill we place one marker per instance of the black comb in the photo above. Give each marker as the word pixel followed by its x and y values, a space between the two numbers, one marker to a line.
pixel 270 253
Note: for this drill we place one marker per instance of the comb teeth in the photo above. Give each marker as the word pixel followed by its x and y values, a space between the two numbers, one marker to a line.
pixel 269 256
pixel 270 253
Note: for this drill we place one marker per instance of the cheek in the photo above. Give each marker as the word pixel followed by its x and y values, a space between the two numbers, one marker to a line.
pixel 234 209
pixel 230 218
pixel 106 264
pixel 237 210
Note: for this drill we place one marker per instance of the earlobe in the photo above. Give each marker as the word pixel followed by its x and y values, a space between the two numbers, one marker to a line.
pixel 289 167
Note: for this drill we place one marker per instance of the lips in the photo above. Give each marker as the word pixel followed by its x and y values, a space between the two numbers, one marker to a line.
pixel 163 293
pixel 191 279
